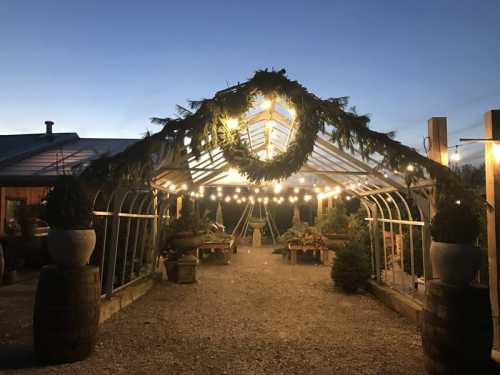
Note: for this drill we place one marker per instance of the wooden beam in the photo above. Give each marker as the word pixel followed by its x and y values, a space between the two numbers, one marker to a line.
pixel 492 167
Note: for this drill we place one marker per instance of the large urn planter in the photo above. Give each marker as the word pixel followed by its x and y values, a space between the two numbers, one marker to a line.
pixel 171 269
pixel 455 264
pixel 71 248
pixel 185 241
pixel 257 226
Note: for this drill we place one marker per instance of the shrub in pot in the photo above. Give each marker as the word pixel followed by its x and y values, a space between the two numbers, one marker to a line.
pixel 351 269
pixel 454 229
pixel 71 238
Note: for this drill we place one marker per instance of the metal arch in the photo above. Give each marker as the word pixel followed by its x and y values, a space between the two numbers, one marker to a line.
pixel 136 232
pixel 383 227
pixel 391 228
pixel 104 237
pixel 398 211
pixel 127 237
pixel 410 231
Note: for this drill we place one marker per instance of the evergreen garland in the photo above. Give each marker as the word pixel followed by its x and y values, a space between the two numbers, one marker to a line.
pixel 205 125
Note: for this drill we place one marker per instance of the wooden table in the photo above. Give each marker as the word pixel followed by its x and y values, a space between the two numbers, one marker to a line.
pixel 226 248
pixel 323 253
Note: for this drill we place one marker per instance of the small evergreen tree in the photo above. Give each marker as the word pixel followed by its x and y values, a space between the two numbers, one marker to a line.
pixel 351 269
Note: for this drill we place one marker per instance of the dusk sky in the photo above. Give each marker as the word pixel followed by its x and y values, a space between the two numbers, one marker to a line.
pixel 103 68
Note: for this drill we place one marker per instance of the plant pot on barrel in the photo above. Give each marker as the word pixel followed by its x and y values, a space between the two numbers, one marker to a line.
pixel 67 302
pixel 454 230
pixel 456 328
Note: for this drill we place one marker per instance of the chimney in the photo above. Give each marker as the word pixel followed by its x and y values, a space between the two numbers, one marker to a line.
pixel 48 128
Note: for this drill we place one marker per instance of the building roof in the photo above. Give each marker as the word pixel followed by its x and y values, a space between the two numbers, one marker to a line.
pixel 37 159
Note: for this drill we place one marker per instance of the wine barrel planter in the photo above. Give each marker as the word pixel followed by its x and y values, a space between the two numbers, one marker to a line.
pixel 66 313
pixel 457 330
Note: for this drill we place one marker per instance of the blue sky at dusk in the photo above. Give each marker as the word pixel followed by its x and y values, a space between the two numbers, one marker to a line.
pixel 103 68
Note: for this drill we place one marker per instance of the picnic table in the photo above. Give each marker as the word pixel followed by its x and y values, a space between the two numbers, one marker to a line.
pixel 226 248
pixel 321 252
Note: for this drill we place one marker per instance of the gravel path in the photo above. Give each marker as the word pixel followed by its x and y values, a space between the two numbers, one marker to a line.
pixel 254 316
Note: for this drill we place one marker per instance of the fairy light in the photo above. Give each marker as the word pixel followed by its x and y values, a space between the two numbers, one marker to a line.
pixel 257 190
pixel 213 197
pixel 192 193
pixel 296 190
pixel 259 199
pixel 219 194
pixel 219 188
pixel 277 188
pixel 301 180
pixel 410 168
pixel 172 187
pixel 238 201
pixel 238 190
pixel 235 196
pixel 243 199
pixel 227 199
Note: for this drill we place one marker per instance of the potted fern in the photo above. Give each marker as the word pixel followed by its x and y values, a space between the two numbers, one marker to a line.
pixel 454 229
pixel 71 238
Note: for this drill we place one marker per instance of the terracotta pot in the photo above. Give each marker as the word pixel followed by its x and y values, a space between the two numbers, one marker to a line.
pixel 71 248
pixel 184 241
pixel 454 264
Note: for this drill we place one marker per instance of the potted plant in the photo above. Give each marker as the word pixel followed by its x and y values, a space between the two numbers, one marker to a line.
pixel 71 238
pixel 334 226
pixel 182 236
pixel 454 229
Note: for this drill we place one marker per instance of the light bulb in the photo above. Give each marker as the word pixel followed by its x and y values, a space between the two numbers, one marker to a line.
pixel 232 123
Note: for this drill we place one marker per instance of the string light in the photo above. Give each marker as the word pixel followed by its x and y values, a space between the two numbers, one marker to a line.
pixel 219 194
pixel 410 168
pixel 296 190
pixel 301 180
pixel 172 187
pixel 227 199
pixel 219 188
pixel 238 190
pixel 213 197
pixel 257 190
pixel 277 188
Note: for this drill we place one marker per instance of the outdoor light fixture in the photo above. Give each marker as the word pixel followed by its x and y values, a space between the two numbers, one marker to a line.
pixel 455 156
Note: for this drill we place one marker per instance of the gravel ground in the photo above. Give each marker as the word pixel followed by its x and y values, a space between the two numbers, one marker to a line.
pixel 254 316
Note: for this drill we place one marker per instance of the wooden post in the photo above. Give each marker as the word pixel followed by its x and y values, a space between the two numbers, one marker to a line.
pixel 320 208
pixel 438 151
pixel 178 207
pixel 492 166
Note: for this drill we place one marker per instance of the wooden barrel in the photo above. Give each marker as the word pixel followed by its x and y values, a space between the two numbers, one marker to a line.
pixel 66 313
pixel 457 330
